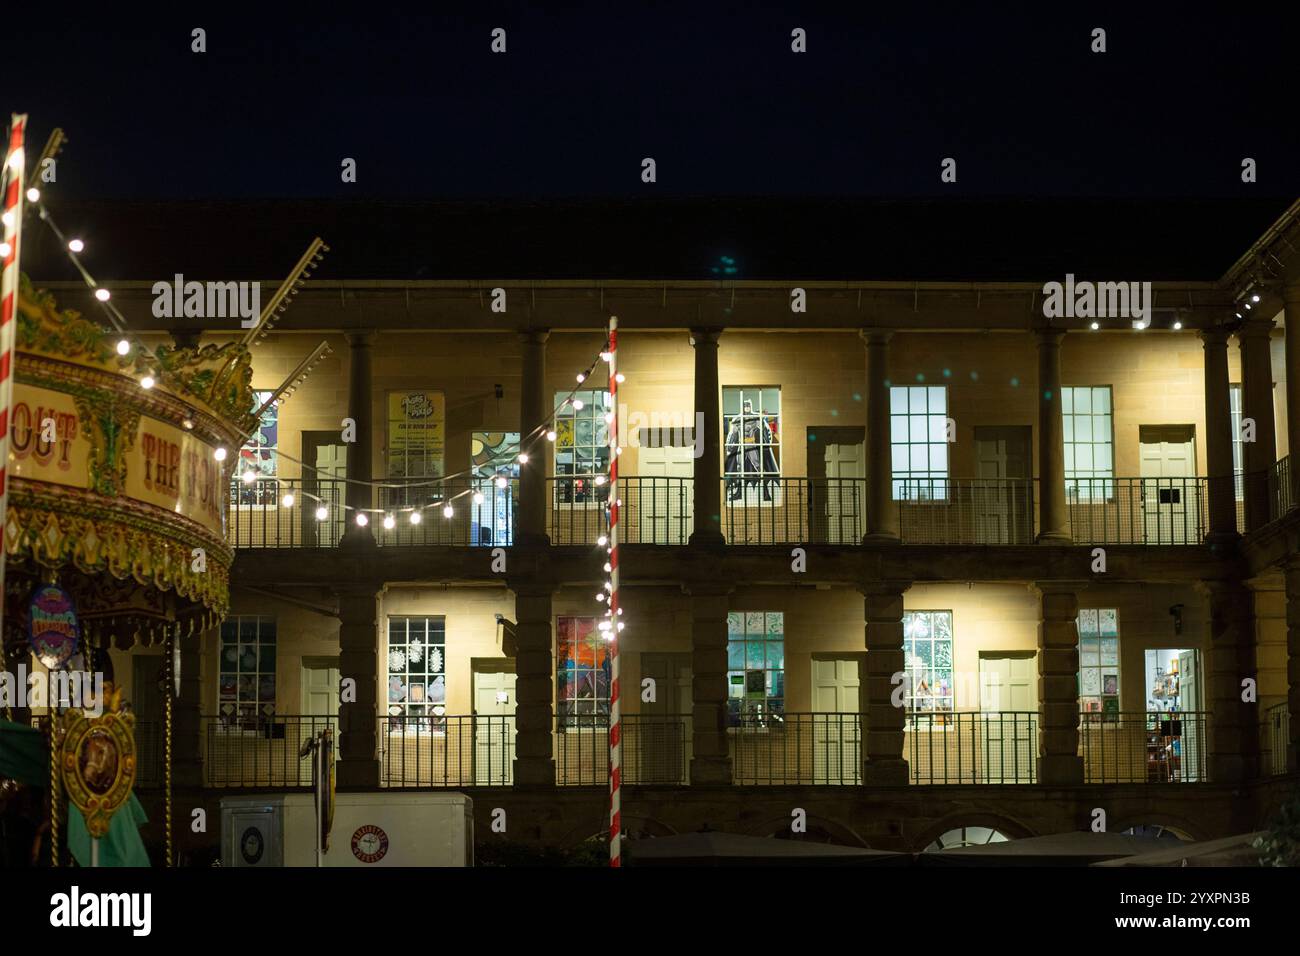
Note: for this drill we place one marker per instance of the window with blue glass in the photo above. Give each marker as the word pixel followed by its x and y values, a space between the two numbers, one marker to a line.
pixel 494 465
pixel 755 667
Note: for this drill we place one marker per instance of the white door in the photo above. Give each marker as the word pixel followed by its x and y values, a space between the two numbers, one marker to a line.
pixel 494 728
pixel 836 698
pixel 331 469
pixel 1169 500
pixel 1009 717
pixel 844 507
pixel 1001 499
pixel 661 508
pixel 1192 742
pixel 659 750
pixel 320 707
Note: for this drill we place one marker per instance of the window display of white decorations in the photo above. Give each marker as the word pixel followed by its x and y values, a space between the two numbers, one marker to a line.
pixel 397 659
pixel 435 660
pixel 415 652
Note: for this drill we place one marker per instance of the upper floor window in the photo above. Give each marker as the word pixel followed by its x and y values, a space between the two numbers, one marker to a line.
pixel 258 458
pixel 582 673
pixel 494 465
pixel 246 669
pixel 417 672
pixel 755 667
pixel 918 441
pixel 1089 441
pixel 581 446
pixel 751 429
pixel 927 661
pixel 1099 661
pixel 1238 449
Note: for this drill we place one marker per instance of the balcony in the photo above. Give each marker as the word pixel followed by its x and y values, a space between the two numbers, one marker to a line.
pixel 254 750
pixel 1144 747
pixel 972 748
pixel 1274 738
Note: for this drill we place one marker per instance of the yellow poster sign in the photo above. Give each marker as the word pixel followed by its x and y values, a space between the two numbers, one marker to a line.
pixel 417 431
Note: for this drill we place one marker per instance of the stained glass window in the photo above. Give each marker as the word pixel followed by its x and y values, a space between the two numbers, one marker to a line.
pixel 417 673
pixel 927 659
pixel 755 668
pixel 918 441
pixel 582 671
pixel 258 458
pixel 1089 442
pixel 1099 660
pixel 581 447
pixel 751 429
pixel 246 670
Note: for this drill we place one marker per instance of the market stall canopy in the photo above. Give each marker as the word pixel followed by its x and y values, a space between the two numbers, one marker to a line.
pixel 1078 848
pixel 734 849
pixel 1236 850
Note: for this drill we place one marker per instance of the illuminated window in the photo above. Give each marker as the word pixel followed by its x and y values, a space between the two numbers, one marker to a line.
pixel 918 441
pixel 581 447
pixel 1099 661
pixel 260 456
pixel 417 673
pixel 1089 442
pixel 1238 449
pixel 582 673
pixel 755 667
pixel 927 659
pixel 751 429
pixel 246 671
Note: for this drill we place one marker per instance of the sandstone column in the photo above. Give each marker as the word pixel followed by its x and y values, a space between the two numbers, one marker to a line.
pixel 708 467
pixel 1257 405
pixel 360 495
pixel 188 745
pixel 1053 513
pixel 534 686
pixel 1291 301
pixel 711 759
pixel 358 766
pixel 534 413
pixel 1233 724
pixel 1218 437
pixel 1293 661
pixel 882 509
pixel 883 763
pixel 1059 763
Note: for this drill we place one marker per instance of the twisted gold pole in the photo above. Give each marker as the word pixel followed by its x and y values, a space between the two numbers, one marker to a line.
pixel 54 789
pixel 167 741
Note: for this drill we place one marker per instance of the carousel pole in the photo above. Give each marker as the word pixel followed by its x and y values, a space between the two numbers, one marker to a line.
pixel 13 180
pixel 169 693
pixel 615 704
pixel 55 787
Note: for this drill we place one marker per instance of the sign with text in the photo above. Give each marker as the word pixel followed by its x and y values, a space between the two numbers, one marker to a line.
pixel 417 432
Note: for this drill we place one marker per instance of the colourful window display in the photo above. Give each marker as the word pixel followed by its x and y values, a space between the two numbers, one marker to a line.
pixel 927 657
pixel 260 457
pixel 494 457
pixel 1099 660
pixel 417 673
pixel 751 430
pixel 582 673
pixel 246 674
pixel 755 667
pixel 581 446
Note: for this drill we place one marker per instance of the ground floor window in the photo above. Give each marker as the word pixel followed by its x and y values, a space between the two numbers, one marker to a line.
pixel 246 682
pixel 755 667
pixel 967 836
pixel 582 674
pixel 1099 662
pixel 1171 680
pixel 927 659
pixel 417 676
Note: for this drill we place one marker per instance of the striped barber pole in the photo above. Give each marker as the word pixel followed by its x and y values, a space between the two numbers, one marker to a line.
pixel 615 706
pixel 12 191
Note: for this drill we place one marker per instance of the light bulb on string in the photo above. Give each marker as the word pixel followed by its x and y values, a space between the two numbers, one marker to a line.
pixel 123 346
pixel 76 245
pixel 389 522
pixel 500 483
pixel 600 479
pixel 478 497
pixel 33 195
pixel 147 382
pixel 322 513
pixel 7 218
pixel 219 454
pixel 103 295
pixel 609 418
pixel 287 500
pixel 415 516
pixel 600 597
pixel 608 566
pixel 249 476
pixel 550 436
pixel 448 511
pixel 581 378
pixel 5 249
pixel 577 404
pixel 601 540
pixel 620 378
pixel 523 458
pixel 362 520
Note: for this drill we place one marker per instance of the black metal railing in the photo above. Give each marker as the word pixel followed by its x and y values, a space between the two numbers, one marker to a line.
pixel 459 512
pixel 793 510
pixel 1281 489
pixel 998 747
pixel 286 513
pixel 1275 739
pixel 657 749
pixel 966 510
pixel 1151 511
pixel 785 749
pixel 259 750
pixel 654 510
pixel 448 751
pixel 1137 747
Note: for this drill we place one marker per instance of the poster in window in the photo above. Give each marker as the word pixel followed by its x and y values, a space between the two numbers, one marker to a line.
pixel 1110 684
pixel 417 430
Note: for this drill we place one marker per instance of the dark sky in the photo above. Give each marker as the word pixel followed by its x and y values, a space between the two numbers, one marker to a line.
pixel 711 91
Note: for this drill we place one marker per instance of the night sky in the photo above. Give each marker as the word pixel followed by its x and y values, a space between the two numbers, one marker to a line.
pixel 713 93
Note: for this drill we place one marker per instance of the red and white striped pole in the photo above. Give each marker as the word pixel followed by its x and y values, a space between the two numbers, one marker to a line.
pixel 13 180
pixel 615 705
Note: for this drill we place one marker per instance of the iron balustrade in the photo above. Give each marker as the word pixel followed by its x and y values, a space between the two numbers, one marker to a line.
pixel 1144 747
pixel 260 750
pixel 772 510
pixel 482 512
pixel 1281 489
pixel 788 749
pixel 447 751
pixel 259 518
pixel 657 749
pixel 966 510
pixel 1149 511
pixel 959 747
pixel 655 510
pixel 1275 739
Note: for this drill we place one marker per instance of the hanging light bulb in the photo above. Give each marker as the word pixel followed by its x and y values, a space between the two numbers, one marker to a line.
pixel 608 566
pixel 601 540
pixel 102 295
pixel 550 436
pixel 146 382
pixel 5 249
pixel 322 513
pixel 249 476
pixel 219 454
pixel 600 596
pixel 1177 326
pixel 1254 298
pixel 478 497
pixel 523 458
pixel 7 218
pixel 448 511
pixel 415 516
pixel 362 520
pixel 500 483
pixel 581 378
pixel 600 479
pixel 577 403
pixel 76 245
pixel 609 418
pixel 123 346
pixel 287 500
pixel 620 378
pixel 33 195
pixel 389 522
pixel 1095 326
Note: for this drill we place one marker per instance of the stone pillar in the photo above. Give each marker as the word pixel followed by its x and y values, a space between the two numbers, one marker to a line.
pixel 1291 301
pixel 1053 513
pixel 358 766
pixel 187 732
pixel 1257 404
pixel 882 509
pixel 1218 437
pixel 711 755
pixel 1293 661
pixel 1233 724
pixel 1059 763
pixel 883 762
pixel 534 686
pixel 360 452
pixel 534 412
pixel 708 467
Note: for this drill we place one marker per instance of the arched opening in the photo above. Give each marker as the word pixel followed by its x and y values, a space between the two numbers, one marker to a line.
pixel 967 836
